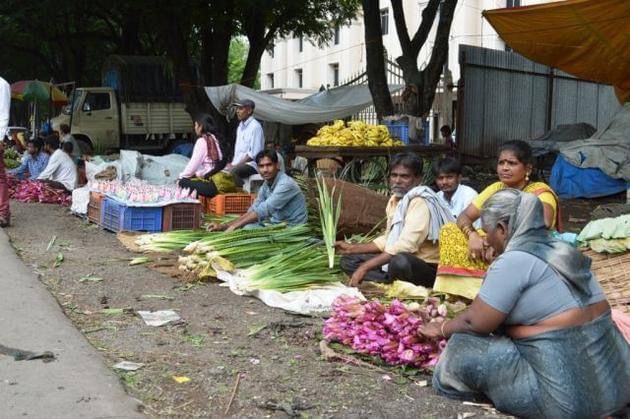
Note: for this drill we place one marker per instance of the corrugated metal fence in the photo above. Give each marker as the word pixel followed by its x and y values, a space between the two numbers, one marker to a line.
pixel 503 96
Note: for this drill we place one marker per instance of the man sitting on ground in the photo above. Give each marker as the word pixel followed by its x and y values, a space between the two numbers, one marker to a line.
pixel 448 174
pixel 33 162
pixel 61 172
pixel 408 249
pixel 279 200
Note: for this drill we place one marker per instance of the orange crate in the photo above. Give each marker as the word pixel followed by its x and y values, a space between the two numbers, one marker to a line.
pixel 229 203
pixel 181 217
pixel 94 207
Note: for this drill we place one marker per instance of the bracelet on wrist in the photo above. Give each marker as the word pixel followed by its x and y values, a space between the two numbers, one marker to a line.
pixel 442 328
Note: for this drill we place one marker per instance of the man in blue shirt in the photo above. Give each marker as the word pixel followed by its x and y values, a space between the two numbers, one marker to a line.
pixel 279 200
pixel 34 161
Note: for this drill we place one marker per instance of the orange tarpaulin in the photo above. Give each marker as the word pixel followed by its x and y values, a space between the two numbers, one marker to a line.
pixel 589 39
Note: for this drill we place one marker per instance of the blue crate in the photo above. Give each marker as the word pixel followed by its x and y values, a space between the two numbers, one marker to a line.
pixel 399 130
pixel 117 216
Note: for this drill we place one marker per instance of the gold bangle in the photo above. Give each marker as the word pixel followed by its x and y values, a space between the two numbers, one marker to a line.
pixel 442 328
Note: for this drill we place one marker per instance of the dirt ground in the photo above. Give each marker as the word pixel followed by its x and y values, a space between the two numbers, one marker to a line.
pixel 222 339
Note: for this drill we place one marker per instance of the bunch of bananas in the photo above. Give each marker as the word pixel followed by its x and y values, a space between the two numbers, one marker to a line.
pixel 356 134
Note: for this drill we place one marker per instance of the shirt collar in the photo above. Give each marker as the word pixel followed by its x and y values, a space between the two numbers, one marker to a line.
pixel 275 181
pixel 246 122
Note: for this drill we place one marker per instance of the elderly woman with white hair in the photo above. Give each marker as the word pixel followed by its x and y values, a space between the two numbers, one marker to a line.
pixel 538 341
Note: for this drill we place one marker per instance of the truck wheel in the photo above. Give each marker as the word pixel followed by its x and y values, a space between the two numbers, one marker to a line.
pixel 85 146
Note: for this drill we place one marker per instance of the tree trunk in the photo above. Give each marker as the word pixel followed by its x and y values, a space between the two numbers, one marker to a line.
pixel 420 90
pixel 375 55
pixel 252 65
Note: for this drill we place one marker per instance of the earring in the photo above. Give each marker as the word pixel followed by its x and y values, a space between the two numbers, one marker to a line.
pixel 527 177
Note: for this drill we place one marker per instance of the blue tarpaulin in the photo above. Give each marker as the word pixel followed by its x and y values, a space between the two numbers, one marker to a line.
pixel 569 181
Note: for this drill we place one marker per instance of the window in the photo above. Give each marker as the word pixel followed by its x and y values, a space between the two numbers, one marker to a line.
pixel 300 44
pixel 334 73
pixel 513 3
pixel 272 49
pixel 385 20
pixel 270 80
pixel 298 78
pixel 337 35
pixel 96 102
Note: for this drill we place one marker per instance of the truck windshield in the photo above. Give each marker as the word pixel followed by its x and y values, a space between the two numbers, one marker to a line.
pixel 74 100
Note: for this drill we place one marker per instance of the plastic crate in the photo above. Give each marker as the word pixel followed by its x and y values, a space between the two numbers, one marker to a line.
pixel 94 212
pixel 229 203
pixel 119 217
pixel 181 217
pixel 399 130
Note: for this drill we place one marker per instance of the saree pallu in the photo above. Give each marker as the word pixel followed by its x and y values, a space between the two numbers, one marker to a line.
pixel 579 372
pixel 457 274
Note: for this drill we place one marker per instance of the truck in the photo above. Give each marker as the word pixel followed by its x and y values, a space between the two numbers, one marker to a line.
pixel 137 107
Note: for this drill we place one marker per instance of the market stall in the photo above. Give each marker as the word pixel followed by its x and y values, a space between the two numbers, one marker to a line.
pixel 314 153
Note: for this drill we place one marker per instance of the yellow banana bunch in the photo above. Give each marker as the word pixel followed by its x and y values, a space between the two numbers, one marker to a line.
pixel 356 134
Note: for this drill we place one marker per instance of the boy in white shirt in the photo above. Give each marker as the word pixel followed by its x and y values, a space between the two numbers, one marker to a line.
pixel 448 174
pixel 61 172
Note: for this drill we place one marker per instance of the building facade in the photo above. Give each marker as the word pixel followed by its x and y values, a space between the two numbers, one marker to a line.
pixel 296 63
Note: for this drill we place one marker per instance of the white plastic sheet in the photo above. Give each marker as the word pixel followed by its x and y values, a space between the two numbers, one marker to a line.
pixel 80 200
pixel 312 302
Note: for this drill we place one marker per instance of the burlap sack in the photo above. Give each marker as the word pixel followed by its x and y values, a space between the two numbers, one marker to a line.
pixel 361 208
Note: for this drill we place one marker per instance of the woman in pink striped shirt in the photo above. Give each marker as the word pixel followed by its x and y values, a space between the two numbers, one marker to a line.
pixel 207 159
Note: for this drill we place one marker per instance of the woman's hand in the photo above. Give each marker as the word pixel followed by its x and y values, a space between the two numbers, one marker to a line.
pixel 475 246
pixel 489 254
pixel 431 330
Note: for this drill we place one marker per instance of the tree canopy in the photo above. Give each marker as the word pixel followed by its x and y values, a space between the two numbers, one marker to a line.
pixel 67 40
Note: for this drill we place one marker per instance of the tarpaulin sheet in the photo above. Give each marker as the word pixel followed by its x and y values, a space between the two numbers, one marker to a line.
pixel 589 39
pixel 569 181
pixel 608 149
pixel 328 105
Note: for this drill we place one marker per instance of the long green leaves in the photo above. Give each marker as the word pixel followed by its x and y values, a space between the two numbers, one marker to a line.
pixel 299 267
pixel 329 217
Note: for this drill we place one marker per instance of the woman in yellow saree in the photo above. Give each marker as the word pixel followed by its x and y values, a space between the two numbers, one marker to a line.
pixel 464 257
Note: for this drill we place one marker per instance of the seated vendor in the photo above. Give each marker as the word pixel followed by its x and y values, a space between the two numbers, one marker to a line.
pixel 408 249
pixel 538 340
pixel 279 200
pixel 464 256
pixel 207 159
pixel 33 162
pixel 61 172
pixel 448 175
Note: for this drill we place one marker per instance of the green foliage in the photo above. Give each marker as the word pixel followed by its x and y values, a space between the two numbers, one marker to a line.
pixel 239 48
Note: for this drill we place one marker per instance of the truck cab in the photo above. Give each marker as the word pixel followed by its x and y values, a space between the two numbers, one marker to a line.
pixel 94 118
pixel 137 107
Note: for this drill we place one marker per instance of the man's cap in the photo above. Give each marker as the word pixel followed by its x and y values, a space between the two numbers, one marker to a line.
pixel 245 103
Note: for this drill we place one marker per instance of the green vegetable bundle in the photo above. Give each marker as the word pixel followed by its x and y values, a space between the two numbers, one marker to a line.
pixel 299 267
pixel 242 247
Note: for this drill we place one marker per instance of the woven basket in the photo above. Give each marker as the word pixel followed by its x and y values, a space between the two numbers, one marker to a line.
pixel 613 273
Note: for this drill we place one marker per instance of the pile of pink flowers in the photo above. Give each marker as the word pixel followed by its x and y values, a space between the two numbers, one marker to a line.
pixel 36 191
pixel 388 331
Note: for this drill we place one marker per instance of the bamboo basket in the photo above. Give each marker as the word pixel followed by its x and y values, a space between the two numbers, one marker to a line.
pixel 613 273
